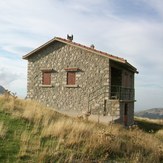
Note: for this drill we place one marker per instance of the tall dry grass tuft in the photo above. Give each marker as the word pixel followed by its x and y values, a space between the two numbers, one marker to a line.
pixel 28 144
pixel 29 110
pixel 67 126
pixel 9 105
pixel 159 134
pixel 37 113
pixel 79 132
pixel 69 138
pixel 3 130
pixel 24 139
pixel 33 112
pixel 42 155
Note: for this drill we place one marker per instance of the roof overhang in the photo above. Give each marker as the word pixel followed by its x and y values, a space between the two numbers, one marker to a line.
pixel 39 48
pixel 89 49
pixel 132 68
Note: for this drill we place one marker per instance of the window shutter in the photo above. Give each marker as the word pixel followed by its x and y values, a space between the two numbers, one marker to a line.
pixel 46 78
pixel 71 78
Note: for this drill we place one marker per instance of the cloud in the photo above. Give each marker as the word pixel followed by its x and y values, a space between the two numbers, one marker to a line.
pixel 129 29
pixel 7 77
pixel 156 5
pixel 13 75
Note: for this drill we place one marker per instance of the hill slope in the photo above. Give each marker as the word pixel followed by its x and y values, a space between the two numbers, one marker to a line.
pixel 2 89
pixel 30 132
pixel 155 113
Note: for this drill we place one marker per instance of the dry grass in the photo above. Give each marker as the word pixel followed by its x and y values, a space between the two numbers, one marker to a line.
pixel 159 134
pixel 29 144
pixel 25 138
pixel 156 121
pixel 29 110
pixel 70 138
pixel 3 130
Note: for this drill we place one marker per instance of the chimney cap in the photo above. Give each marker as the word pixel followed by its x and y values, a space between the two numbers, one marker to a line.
pixel 69 37
pixel 92 46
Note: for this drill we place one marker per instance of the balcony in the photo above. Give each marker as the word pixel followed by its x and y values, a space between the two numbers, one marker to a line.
pixel 122 93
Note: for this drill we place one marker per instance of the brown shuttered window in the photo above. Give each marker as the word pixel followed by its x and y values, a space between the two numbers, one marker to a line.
pixel 46 78
pixel 71 78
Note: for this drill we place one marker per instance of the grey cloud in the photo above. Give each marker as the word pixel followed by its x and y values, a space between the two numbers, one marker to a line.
pixel 7 77
pixel 26 24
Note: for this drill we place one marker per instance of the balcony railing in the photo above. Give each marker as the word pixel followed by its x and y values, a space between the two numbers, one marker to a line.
pixel 122 93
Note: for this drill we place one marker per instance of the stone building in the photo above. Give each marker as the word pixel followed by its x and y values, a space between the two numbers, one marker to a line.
pixel 69 76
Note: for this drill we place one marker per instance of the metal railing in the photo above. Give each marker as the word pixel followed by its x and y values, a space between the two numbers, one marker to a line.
pixel 122 93
pixel 116 92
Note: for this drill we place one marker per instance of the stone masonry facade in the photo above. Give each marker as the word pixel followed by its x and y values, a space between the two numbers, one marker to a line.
pixel 93 72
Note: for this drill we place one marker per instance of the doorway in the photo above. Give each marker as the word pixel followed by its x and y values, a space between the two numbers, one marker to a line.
pixel 116 83
pixel 125 114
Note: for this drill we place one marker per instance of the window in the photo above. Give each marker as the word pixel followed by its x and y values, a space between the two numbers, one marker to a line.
pixel 46 78
pixel 71 78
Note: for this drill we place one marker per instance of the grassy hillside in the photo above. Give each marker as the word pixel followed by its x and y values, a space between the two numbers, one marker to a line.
pixel 155 113
pixel 149 125
pixel 30 132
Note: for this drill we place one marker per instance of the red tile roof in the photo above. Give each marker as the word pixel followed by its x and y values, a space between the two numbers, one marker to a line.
pixel 112 57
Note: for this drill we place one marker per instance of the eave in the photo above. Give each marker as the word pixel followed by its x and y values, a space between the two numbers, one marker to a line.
pixel 80 46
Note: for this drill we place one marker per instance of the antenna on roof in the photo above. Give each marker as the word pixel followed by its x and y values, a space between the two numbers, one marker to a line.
pixel 69 37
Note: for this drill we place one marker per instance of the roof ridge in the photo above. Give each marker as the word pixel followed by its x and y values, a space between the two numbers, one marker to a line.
pixel 95 51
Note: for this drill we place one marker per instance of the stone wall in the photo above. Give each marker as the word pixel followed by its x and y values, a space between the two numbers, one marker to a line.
pixel 93 73
pixel 113 108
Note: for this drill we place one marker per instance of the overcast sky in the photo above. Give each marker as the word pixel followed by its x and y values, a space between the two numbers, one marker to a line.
pixel 132 29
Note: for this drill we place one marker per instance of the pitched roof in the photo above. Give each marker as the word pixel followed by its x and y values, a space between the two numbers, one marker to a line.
pixel 98 52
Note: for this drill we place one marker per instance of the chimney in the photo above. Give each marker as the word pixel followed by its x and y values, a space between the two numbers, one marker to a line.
pixel 92 46
pixel 70 38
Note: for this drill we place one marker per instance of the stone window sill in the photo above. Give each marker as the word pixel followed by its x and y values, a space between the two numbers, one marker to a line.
pixel 46 86
pixel 71 86
pixel 47 69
